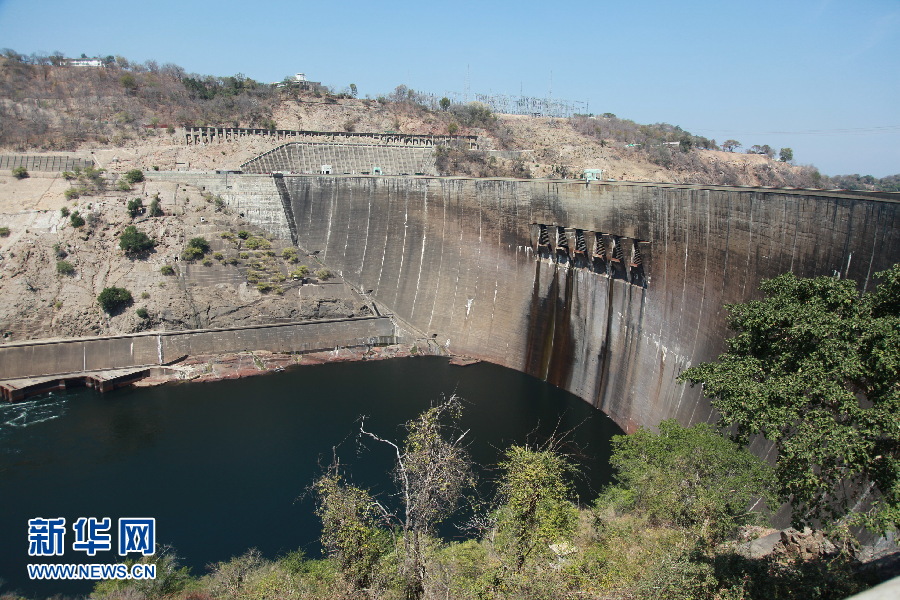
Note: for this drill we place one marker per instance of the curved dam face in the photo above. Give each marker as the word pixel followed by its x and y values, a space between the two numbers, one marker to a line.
pixel 607 290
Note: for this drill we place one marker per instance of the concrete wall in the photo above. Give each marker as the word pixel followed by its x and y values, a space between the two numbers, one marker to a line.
pixel 460 258
pixel 45 162
pixel 45 357
pixel 356 159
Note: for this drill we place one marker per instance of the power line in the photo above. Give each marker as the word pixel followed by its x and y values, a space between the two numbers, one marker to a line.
pixel 878 130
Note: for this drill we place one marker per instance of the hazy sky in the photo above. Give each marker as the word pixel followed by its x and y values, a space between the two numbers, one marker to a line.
pixel 822 77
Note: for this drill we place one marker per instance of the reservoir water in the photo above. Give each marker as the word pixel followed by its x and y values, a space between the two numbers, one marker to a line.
pixel 225 466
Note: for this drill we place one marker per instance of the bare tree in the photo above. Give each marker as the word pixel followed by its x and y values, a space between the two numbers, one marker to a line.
pixel 431 471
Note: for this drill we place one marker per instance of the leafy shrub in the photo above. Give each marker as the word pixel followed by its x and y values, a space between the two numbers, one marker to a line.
pixel 243 234
pixel 257 243
pixel 71 193
pixel 76 219
pixel 197 247
pixel 192 253
pixel 218 256
pixel 142 313
pixel 145 295
pixel 133 241
pixel 167 270
pixel 245 255
pixel 4 231
pixel 64 212
pixel 123 186
pixel 68 175
pixel 263 287
pixel 20 173
pixel 113 299
pixel 155 210
pixel 134 176
pixel 301 271
pixel 290 255
pixel 64 267
pixel 135 207
pixel 207 263
pixel 199 243
pixel 324 274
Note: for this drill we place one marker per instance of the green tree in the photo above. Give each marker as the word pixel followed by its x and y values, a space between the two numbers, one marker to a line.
pixel 689 476
pixel 133 241
pixel 134 176
pixel 200 243
pixel 154 210
pixel 350 532
pixel 353 90
pixel 731 145
pixel 76 219
pixel 534 510
pixel 20 173
pixel 135 207
pixel 445 103
pixel 786 155
pixel 814 367
pixel 113 299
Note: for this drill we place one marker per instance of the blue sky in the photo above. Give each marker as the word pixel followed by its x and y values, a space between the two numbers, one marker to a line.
pixel 819 76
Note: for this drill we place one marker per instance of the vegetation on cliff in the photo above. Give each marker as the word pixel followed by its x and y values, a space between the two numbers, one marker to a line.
pixel 814 367
pixel 47 105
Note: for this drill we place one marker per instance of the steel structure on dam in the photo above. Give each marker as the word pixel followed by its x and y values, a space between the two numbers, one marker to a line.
pixel 608 290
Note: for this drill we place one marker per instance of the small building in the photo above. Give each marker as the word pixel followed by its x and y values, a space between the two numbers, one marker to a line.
pixel 593 174
pixel 83 62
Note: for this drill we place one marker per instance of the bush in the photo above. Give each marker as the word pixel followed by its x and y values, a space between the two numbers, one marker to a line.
pixel 155 210
pixel 289 254
pixel 142 313
pixel 167 270
pixel 134 176
pixel 324 274
pixel 123 186
pixel 64 267
pixel 200 244
pixel 113 299
pixel 20 173
pixel 256 243
pixel 301 271
pixel 64 212
pixel 68 175
pixel 71 193
pixel 76 219
pixel 135 207
pixel 4 231
pixel 243 234
pixel 192 253
pixel 691 477
pixel 133 241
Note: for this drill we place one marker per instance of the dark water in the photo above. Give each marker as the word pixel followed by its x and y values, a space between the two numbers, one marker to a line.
pixel 224 466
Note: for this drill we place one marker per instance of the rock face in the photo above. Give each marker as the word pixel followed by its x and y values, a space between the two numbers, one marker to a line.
pixel 42 297
pixel 805 545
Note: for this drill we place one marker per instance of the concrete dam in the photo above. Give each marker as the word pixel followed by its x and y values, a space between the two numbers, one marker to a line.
pixel 608 290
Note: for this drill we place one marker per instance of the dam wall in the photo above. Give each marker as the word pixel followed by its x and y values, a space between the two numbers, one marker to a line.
pixel 74 355
pixel 608 290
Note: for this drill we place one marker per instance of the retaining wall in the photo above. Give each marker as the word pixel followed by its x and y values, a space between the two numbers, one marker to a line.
pixel 74 355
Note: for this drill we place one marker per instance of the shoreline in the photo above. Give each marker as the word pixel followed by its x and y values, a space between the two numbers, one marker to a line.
pixel 204 368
